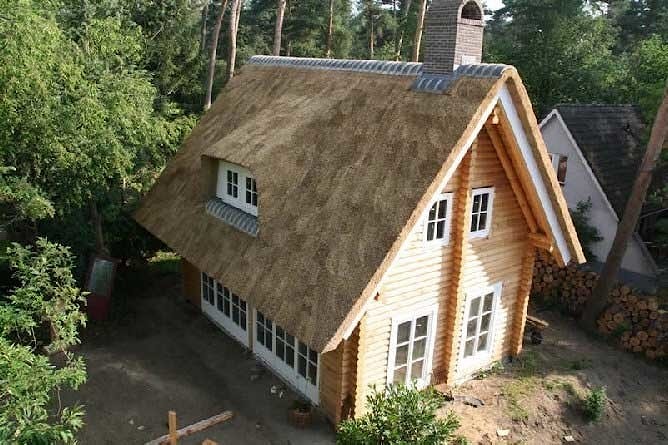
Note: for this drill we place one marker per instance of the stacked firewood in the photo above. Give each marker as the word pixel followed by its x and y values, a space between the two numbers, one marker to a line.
pixel 637 321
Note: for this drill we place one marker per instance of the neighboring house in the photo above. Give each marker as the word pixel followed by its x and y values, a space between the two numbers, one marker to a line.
pixel 596 151
pixel 360 223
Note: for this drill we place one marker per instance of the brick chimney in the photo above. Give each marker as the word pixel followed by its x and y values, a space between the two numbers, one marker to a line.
pixel 453 35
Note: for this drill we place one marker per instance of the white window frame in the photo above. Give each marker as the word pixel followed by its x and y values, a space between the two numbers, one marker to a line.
pixel 448 221
pixel 397 320
pixel 480 358
pixel 218 316
pixel 484 233
pixel 240 200
pixel 310 390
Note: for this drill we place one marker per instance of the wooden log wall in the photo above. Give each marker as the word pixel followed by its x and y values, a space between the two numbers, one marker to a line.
pixel 636 321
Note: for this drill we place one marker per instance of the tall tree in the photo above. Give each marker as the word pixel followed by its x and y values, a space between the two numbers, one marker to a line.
pixel 403 25
pixel 215 37
pixel 625 229
pixel 330 30
pixel 419 30
pixel 280 13
pixel 237 5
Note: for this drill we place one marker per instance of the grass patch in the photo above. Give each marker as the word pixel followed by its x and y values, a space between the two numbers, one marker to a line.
pixel 593 405
pixel 515 392
pixel 165 262
pixel 579 364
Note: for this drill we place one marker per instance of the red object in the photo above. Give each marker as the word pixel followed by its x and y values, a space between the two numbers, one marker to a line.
pixel 98 307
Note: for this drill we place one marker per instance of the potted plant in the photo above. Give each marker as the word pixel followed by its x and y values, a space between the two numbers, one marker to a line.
pixel 300 413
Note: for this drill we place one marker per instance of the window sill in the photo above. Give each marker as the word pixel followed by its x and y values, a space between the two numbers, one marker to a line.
pixel 236 218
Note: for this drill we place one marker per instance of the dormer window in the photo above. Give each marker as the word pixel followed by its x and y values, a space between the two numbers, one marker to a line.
pixel 237 187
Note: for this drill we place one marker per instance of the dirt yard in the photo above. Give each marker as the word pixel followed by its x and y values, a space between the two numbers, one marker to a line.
pixel 538 398
pixel 158 353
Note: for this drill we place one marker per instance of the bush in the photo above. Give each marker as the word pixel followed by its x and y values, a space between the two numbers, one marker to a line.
pixel 400 415
pixel 594 404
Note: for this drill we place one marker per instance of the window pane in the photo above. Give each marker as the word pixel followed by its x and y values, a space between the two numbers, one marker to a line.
pixel 243 321
pixel 235 299
pixel 249 198
pixel 279 332
pixel 400 375
pixel 268 324
pixel 404 332
pixel 235 314
pixel 419 349
pixel 416 371
pixel 312 373
pixel 268 340
pixel 482 342
pixel 474 223
pixel 485 202
pixel 430 231
pixel 440 229
pixel 482 221
pixel 302 348
pixel 402 355
pixel 432 212
pixel 259 334
pixel 248 183
pixel 313 356
pixel 226 307
pixel 260 317
pixel 301 366
pixel 471 327
pixel 475 307
pixel 484 324
pixel 442 209
pixel 421 325
pixel 290 356
pixel 476 203
pixel 280 349
pixel 489 299
pixel 290 340
pixel 243 305
pixel 468 348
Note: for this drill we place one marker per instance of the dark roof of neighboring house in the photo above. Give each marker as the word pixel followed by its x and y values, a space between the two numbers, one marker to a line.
pixel 611 139
pixel 346 158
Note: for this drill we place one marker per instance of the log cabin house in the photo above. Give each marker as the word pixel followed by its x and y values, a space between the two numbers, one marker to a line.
pixel 359 223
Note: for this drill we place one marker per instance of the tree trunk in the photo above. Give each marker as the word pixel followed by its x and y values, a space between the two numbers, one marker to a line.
pixel 418 31
pixel 280 12
pixel 205 16
pixel 372 34
pixel 96 219
pixel 330 30
pixel 213 54
pixel 599 297
pixel 399 41
pixel 234 26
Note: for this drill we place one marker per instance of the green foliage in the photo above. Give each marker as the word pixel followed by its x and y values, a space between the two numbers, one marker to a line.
pixel 593 405
pixel 40 316
pixel 587 233
pixel 400 415
pixel 20 200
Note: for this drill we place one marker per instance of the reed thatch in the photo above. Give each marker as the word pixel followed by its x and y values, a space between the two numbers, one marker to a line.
pixel 342 159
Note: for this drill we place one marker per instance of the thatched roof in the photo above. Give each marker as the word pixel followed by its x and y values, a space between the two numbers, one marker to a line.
pixel 342 159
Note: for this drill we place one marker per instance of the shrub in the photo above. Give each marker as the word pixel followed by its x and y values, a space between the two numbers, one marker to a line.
pixel 594 404
pixel 400 415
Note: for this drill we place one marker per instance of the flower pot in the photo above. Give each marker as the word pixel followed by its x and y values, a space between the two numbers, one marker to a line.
pixel 299 417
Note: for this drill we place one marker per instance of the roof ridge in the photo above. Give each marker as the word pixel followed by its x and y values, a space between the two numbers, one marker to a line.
pixel 363 66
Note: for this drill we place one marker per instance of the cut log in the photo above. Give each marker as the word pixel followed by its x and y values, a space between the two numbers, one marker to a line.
pixel 194 428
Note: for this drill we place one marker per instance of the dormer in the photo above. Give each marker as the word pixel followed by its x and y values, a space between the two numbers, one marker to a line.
pixel 230 194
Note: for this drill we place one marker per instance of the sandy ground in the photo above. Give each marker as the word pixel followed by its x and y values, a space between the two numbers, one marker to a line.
pixel 538 398
pixel 158 353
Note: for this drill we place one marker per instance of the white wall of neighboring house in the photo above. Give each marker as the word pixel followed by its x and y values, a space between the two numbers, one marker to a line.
pixel 581 184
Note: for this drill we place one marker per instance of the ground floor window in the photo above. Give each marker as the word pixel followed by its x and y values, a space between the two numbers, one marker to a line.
pixel 411 348
pixel 208 288
pixel 232 306
pixel 291 358
pixel 477 338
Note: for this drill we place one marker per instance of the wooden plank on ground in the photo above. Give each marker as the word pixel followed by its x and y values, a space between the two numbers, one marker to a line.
pixel 194 428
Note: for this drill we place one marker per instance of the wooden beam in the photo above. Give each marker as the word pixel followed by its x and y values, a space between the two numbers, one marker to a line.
pixel 541 241
pixel 172 428
pixel 194 428
pixel 522 301
pixel 456 295
pixel 515 184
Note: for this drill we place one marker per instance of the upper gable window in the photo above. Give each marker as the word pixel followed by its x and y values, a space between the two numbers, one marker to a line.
pixel 481 212
pixel 237 187
pixel 560 165
pixel 437 222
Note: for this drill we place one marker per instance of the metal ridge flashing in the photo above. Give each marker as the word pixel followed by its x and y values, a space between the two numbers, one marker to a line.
pixel 361 66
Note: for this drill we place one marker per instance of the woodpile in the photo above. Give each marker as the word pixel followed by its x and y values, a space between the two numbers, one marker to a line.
pixel 637 321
